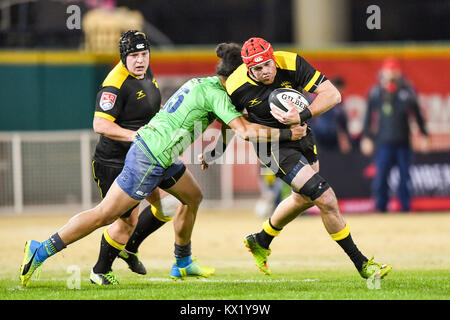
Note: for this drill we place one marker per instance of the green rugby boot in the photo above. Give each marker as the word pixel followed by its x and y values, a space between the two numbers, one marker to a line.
pixel 259 253
pixel 101 279
pixel 29 263
pixel 133 261
pixel 372 269
pixel 192 270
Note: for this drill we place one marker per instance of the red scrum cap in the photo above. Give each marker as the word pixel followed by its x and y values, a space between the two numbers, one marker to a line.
pixel 256 51
pixel 391 64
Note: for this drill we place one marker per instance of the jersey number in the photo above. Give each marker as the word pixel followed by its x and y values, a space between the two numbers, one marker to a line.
pixel 175 101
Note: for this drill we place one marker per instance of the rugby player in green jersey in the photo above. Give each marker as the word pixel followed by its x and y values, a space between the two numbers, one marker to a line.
pixel 153 158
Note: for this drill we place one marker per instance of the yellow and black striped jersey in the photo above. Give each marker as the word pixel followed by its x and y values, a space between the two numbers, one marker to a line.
pixel 293 71
pixel 128 101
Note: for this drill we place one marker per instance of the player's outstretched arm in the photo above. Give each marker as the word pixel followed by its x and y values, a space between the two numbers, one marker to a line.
pixel 250 131
pixel 258 133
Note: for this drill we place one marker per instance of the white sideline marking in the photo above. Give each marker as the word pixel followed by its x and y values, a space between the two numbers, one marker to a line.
pixel 223 280
pixel 193 279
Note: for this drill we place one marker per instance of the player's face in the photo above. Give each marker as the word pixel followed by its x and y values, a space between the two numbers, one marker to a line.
pixel 389 75
pixel 137 63
pixel 264 72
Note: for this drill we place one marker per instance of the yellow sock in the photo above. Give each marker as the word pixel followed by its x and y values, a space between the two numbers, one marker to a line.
pixel 112 242
pixel 269 229
pixel 341 234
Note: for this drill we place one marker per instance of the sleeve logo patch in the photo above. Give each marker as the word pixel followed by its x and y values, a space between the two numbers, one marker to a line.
pixel 107 101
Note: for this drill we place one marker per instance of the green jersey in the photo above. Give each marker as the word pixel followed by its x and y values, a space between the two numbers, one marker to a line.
pixel 185 116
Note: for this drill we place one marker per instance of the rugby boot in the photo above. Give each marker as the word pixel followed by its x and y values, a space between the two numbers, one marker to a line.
pixel 372 269
pixel 192 270
pixel 105 279
pixel 259 253
pixel 29 264
pixel 133 261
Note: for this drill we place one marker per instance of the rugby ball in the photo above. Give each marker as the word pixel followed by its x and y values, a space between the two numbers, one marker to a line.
pixel 279 99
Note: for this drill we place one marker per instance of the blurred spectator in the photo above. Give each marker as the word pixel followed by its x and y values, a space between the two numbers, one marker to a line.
pixel 330 128
pixel 390 102
pixel 273 191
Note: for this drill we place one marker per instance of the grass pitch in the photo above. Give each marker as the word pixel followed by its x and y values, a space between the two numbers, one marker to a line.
pixel 306 264
pixel 245 285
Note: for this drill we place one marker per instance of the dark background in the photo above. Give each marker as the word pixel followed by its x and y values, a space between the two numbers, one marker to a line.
pixel 41 24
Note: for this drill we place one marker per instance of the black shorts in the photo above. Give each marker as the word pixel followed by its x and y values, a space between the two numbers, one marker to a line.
pixel 105 175
pixel 287 158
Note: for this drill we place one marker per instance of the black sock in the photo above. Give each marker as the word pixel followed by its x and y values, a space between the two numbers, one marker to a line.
pixel 107 255
pixel 147 224
pixel 182 251
pixel 263 238
pixel 352 251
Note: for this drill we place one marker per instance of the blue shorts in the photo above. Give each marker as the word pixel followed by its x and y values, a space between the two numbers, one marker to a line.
pixel 142 173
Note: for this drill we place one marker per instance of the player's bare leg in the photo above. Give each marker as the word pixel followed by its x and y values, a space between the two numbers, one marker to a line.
pixel 121 229
pixel 188 192
pixel 289 209
pixel 112 207
pixel 112 242
pixel 314 188
pixel 162 209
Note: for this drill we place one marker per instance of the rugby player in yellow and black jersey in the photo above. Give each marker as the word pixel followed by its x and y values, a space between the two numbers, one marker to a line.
pixel 295 162
pixel 129 97
pixel 246 92
pixel 127 102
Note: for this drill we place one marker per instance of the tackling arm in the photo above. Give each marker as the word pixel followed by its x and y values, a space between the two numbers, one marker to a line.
pixel 258 133
pixel 253 132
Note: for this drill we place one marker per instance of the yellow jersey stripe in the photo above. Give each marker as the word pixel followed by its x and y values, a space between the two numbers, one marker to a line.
pixel 104 116
pixel 116 77
pixel 341 234
pixel 98 180
pixel 112 242
pixel 237 79
pixel 312 81
pixel 286 60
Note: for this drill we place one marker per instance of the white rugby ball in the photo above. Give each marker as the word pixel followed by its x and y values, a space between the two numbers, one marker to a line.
pixel 279 99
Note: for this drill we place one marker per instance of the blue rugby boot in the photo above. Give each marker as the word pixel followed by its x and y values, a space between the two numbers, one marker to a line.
pixel 30 264
pixel 191 270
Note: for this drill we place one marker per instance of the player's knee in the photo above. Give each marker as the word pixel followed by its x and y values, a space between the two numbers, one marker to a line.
pixel 105 215
pixel 297 198
pixel 195 198
pixel 314 187
pixel 101 217
pixel 328 202
pixel 198 198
